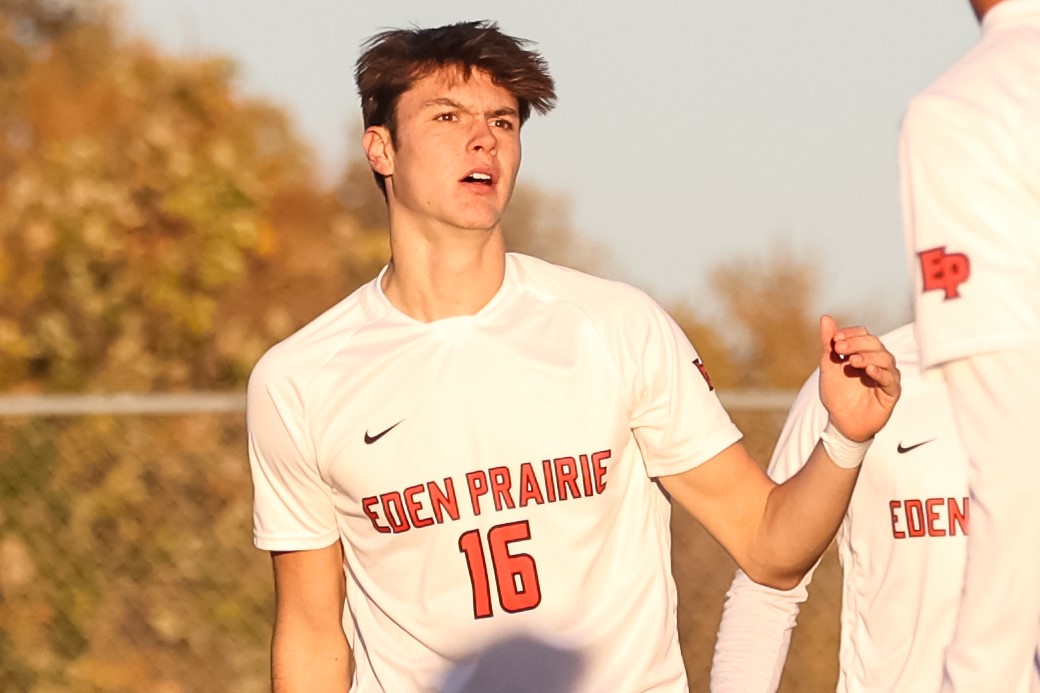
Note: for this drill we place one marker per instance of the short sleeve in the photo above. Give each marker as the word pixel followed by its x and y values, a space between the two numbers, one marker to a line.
pixel 676 416
pixel 292 504
pixel 971 207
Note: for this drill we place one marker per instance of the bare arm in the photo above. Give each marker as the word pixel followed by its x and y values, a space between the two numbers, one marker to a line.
pixel 309 650
pixel 776 532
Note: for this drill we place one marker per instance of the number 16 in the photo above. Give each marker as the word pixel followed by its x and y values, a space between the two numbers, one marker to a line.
pixel 516 575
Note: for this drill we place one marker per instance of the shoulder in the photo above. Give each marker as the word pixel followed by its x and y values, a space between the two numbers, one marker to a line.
pixel 292 363
pixel 990 84
pixel 603 300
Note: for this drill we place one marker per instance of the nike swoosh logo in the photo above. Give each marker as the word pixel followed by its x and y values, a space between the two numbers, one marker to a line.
pixel 900 449
pixel 371 439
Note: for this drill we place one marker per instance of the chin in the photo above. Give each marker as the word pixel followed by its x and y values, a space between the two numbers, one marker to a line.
pixel 481 227
pixel 479 222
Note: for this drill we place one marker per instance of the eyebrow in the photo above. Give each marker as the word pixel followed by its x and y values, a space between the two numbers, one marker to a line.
pixel 498 112
pixel 507 111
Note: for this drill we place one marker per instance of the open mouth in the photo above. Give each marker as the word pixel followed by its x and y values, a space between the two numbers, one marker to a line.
pixel 479 178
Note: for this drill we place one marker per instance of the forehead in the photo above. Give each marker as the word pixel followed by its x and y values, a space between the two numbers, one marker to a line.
pixel 475 91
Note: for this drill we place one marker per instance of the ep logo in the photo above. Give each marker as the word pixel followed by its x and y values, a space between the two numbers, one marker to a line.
pixel 944 271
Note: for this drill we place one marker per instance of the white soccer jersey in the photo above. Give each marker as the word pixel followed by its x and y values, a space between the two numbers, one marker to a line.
pixel 970 168
pixel 970 173
pixel 492 480
pixel 902 549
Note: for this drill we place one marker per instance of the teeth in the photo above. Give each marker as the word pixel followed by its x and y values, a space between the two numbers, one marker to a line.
pixel 480 176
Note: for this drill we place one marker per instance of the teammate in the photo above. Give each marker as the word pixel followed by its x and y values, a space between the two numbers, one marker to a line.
pixel 469 460
pixel 902 548
pixel 970 168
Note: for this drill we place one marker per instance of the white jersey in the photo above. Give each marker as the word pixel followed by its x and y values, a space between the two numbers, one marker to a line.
pixel 970 170
pixel 902 548
pixel 491 478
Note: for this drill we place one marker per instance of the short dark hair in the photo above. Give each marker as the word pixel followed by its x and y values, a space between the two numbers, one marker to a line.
pixel 393 60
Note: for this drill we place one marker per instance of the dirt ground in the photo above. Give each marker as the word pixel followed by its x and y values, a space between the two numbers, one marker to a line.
pixel 703 572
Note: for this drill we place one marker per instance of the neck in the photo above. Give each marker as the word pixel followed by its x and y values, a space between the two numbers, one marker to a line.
pixel 431 277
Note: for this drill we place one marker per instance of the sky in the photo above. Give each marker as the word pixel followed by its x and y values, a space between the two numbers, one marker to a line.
pixel 687 134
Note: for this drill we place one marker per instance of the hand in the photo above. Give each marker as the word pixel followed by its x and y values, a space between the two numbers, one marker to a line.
pixel 859 381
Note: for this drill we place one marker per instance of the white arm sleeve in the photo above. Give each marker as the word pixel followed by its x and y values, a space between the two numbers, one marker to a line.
pixel 996 401
pixel 757 621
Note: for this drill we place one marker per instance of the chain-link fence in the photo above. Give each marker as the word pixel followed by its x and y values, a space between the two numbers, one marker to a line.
pixel 126 561
pixel 125 556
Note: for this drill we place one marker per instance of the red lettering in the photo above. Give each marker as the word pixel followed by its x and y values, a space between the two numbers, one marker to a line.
pixel 414 507
pixel 914 517
pixel 478 486
pixel 515 573
pixel 586 474
pixel 925 518
pixel 933 516
pixel 942 271
pixel 473 548
pixel 897 533
pixel 366 505
pixel 958 516
pixel 566 476
pixel 598 458
pixel 550 490
pixel 392 504
pixel 529 489
pixel 500 485
pixel 441 501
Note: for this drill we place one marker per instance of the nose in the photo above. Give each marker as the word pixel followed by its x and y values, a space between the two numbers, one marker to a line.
pixel 482 138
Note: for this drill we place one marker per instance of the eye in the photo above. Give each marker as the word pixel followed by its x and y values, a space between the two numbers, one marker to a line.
pixel 446 117
pixel 503 123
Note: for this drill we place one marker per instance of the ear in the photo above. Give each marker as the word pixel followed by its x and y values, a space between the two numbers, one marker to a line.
pixel 379 149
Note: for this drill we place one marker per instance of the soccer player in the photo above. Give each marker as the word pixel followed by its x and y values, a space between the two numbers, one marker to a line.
pixel 902 549
pixel 970 171
pixel 463 470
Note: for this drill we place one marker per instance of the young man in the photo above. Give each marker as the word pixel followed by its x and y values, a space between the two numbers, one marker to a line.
pixel 970 167
pixel 902 548
pixel 474 453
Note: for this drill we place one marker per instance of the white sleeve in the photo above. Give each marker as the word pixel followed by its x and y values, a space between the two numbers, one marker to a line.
pixel 676 416
pixel 755 631
pixel 292 504
pixel 996 399
pixel 971 214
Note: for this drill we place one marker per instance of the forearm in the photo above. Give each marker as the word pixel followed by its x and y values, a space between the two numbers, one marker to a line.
pixel 304 659
pixel 309 650
pixel 800 516
pixel 800 519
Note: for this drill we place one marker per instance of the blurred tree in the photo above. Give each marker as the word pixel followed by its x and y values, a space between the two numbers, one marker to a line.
pixel 138 189
pixel 768 301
